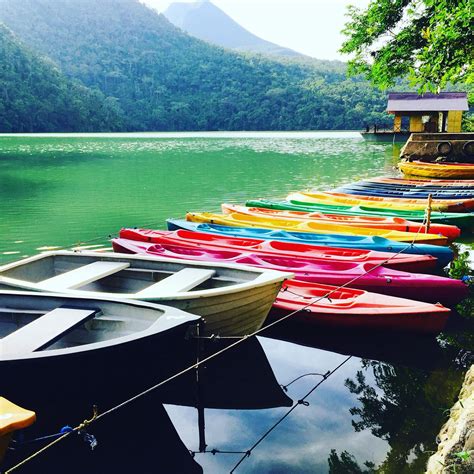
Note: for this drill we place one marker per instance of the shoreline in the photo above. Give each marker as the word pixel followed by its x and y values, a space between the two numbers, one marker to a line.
pixel 456 437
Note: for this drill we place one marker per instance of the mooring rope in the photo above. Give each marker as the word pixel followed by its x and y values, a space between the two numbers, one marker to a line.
pixel 240 340
pixel 301 401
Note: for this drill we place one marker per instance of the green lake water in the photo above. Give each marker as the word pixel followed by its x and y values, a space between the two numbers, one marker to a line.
pixel 385 405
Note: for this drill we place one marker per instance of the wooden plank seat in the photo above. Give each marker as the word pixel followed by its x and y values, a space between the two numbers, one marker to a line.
pixel 82 276
pixel 44 330
pixel 184 280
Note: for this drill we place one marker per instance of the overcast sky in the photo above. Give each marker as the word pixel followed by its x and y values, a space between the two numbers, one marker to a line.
pixel 311 27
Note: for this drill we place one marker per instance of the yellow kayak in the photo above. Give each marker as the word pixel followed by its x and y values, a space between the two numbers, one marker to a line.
pixel 12 418
pixel 240 220
pixel 382 203
pixel 437 170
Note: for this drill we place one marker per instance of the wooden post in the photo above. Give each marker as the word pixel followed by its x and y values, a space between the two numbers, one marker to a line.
pixel 200 408
pixel 428 213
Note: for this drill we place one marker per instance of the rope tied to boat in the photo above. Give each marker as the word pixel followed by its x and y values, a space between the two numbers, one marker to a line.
pixel 67 433
pixel 324 376
pixel 87 422
pixel 18 444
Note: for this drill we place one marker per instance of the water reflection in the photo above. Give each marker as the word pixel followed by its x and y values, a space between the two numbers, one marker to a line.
pixel 241 378
pixel 384 413
pixel 389 407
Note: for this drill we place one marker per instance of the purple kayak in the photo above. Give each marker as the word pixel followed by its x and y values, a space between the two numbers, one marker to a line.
pixel 364 276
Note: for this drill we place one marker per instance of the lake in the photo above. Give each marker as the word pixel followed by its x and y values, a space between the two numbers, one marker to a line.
pixel 384 405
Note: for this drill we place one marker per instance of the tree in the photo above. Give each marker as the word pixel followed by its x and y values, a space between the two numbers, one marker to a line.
pixel 346 464
pixel 405 407
pixel 431 41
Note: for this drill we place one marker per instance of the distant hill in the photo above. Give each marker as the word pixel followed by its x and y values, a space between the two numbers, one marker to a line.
pixel 36 97
pixel 206 21
pixel 159 78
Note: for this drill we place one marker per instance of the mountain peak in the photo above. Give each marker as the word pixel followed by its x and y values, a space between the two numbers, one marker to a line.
pixel 206 21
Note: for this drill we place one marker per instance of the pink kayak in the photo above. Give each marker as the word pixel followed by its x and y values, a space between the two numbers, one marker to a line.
pixel 403 261
pixel 364 276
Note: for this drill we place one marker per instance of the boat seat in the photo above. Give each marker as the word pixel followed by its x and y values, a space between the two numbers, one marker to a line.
pixel 184 280
pixel 82 276
pixel 44 330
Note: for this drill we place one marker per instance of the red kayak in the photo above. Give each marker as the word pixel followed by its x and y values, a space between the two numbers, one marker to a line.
pixel 404 262
pixel 365 276
pixel 356 309
pixel 392 223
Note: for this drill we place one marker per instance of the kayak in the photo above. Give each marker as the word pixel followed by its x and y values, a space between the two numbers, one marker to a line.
pixel 364 276
pixel 366 190
pixel 391 203
pixel 404 262
pixel 419 181
pixel 349 308
pixel 437 170
pixel 464 220
pixel 443 254
pixel 241 220
pixel 432 186
pixel 388 223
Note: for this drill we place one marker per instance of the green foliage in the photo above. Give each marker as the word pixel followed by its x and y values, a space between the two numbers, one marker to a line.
pixel 431 41
pixel 347 464
pixel 463 455
pixel 35 96
pixel 390 407
pixel 468 122
pixel 164 79
pixel 460 268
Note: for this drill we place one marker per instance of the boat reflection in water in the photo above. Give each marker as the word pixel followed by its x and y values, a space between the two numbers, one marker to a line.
pixel 399 348
pixel 140 437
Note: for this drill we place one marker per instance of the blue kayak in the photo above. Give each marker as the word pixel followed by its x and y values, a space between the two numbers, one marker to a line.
pixel 414 187
pixel 443 254
pixel 363 190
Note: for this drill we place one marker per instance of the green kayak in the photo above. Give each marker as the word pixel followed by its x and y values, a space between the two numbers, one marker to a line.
pixel 464 221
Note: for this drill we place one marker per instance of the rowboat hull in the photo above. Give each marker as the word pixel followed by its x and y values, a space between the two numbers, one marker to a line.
pixel 443 254
pixel 367 277
pixel 437 170
pixel 463 220
pixel 121 332
pixel 403 262
pixel 234 301
pixel 241 220
pixel 381 223
pixel 356 310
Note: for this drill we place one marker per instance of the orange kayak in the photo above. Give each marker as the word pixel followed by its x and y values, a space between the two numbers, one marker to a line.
pixel 304 225
pixel 392 223
pixel 446 205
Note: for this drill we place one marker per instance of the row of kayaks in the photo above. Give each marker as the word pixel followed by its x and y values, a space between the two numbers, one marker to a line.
pixel 306 265
pixel 227 271
pixel 402 203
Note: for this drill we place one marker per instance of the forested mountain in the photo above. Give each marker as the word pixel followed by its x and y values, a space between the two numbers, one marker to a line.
pixel 206 21
pixel 164 79
pixel 35 96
